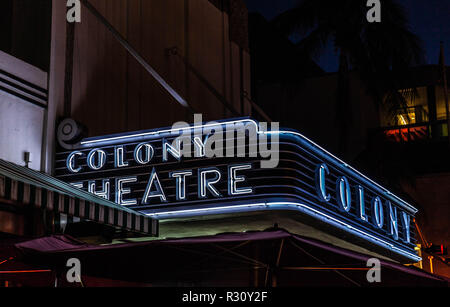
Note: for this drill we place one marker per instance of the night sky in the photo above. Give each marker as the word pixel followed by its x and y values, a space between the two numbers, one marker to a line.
pixel 429 19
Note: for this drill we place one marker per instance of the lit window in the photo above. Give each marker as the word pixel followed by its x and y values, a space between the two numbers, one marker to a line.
pixel 441 110
pixel 415 112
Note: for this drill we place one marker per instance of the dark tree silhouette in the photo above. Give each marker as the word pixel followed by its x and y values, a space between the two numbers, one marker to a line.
pixel 381 52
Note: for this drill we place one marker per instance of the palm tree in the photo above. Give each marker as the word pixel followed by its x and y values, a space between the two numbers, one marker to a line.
pixel 380 52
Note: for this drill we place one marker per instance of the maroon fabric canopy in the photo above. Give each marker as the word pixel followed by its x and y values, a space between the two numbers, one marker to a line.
pixel 266 258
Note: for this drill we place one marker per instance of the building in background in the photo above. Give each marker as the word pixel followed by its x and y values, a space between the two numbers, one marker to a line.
pixel 406 149
pixel 51 69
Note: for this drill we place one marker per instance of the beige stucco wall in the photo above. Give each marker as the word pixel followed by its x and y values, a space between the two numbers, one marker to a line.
pixel 22 111
pixel 112 93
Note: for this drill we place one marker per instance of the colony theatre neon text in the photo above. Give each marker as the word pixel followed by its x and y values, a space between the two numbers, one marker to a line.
pixel 382 215
pixel 377 214
pixel 207 177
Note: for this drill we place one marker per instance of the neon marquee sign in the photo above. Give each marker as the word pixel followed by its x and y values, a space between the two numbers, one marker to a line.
pixel 147 171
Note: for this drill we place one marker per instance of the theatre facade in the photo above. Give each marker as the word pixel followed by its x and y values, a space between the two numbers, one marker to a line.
pixel 235 176
pixel 91 147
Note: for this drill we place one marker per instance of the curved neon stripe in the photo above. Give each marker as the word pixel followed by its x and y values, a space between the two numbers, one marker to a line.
pixel 159 132
pixel 298 206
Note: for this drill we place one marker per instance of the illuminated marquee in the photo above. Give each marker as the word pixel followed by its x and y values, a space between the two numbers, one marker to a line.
pixel 148 172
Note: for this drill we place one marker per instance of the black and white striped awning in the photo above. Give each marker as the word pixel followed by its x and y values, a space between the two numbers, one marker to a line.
pixel 31 188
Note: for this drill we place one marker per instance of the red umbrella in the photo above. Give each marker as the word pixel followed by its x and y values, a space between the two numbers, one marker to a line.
pixel 266 258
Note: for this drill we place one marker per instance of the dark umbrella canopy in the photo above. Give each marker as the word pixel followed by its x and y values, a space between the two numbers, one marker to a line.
pixel 267 258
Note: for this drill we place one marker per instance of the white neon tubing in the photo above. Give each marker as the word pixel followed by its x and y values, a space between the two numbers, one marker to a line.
pixel 307 209
pixel 154 133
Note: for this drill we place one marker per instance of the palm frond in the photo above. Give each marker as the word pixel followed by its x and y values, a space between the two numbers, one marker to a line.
pixel 316 41
pixel 305 16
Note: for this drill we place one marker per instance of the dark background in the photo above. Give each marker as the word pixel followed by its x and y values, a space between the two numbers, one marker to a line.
pixel 428 19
